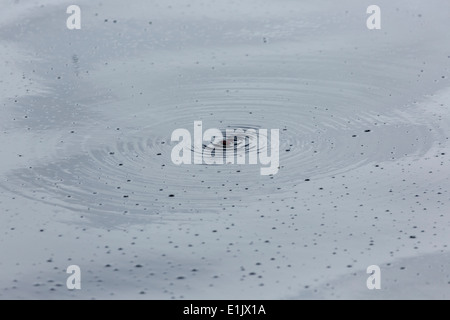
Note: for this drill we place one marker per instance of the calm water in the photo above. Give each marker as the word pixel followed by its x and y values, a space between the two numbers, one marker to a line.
pixel 86 176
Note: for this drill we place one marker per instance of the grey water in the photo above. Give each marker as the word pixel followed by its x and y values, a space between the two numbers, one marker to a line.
pixel 86 176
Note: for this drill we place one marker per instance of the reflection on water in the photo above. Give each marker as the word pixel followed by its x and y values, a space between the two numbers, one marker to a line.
pixel 97 107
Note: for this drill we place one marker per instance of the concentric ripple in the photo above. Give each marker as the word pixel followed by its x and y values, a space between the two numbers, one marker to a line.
pixel 235 142
pixel 122 165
